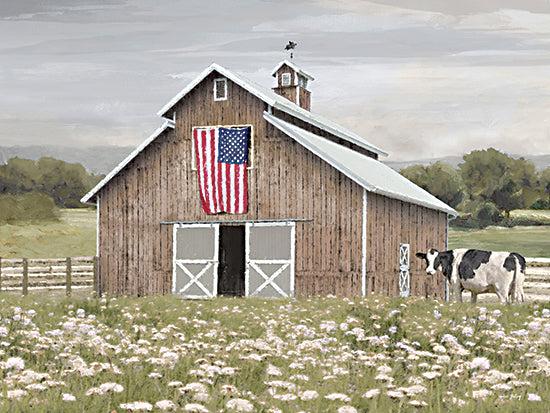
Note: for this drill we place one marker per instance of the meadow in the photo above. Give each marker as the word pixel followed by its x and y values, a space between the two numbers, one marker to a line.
pixel 73 236
pixel 306 355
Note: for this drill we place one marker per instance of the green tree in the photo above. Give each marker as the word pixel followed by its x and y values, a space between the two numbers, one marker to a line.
pixel 489 177
pixel 440 179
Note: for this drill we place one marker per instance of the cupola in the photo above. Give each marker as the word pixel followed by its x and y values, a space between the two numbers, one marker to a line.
pixel 292 83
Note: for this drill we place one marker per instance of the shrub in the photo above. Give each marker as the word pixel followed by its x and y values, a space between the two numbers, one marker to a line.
pixel 30 207
pixel 541 204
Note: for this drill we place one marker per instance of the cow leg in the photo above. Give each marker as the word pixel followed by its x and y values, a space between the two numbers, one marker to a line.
pixel 502 297
pixel 458 292
pixel 474 297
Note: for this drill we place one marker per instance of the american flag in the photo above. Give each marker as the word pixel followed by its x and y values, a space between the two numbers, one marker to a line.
pixel 221 156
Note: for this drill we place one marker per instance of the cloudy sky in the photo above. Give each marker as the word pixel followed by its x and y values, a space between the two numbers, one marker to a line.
pixel 418 78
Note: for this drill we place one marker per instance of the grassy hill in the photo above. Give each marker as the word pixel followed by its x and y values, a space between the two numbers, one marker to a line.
pixel 74 235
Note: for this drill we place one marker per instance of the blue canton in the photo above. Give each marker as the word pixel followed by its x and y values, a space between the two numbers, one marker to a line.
pixel 233 145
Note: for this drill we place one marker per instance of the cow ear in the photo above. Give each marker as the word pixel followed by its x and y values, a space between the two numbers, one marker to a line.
pixel 421 255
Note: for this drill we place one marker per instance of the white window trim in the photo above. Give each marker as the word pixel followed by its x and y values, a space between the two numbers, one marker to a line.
pixel 224 80
pixel 287 76
pixel 250 146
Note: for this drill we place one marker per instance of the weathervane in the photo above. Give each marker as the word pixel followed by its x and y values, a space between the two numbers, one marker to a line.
pixel 290 46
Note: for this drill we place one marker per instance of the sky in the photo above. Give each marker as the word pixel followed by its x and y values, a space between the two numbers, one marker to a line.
pixel 418 78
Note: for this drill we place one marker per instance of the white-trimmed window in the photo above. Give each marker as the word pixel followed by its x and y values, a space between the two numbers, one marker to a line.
pixel 220 89
pixel 285 79
pixel 250 144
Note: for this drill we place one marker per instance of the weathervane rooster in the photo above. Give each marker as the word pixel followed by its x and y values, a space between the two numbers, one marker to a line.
pixel 290 46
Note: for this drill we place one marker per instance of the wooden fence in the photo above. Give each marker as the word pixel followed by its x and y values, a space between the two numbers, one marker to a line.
pixel 31 274
pixel 537 279
pixel 69 274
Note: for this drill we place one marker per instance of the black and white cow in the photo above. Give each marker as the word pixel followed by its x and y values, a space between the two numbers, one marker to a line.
pixel 479 272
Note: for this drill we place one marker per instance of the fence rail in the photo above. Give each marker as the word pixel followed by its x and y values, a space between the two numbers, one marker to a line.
pixel 31 274
pixel 537 279
pixel 77 273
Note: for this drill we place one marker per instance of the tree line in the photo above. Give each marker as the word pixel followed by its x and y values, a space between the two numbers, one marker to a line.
pixel 34 190
pixel 485 187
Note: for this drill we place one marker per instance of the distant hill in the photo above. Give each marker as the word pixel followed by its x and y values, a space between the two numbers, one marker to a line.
pixel 541 161
pixel 96 159
pixel 102 159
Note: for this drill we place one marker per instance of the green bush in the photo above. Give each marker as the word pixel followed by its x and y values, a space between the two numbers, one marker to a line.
pixel 30 207
pixel 541 204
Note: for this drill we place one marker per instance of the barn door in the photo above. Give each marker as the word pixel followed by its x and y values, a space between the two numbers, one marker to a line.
pixel 196 260
pixel 270 259
pixel 404 275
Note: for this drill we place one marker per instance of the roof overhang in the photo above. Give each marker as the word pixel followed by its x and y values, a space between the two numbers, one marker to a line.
pixel 293 67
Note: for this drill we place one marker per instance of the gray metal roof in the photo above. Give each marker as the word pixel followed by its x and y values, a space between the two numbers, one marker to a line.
pixel 368 172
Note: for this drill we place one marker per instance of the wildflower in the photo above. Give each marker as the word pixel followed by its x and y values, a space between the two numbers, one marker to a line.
pixel 308 395
pixel 480 362
pixel 16 394
pixel 154 375
pixel 114 387
pixel 418 403
pixel 371 393
pixel 166 405
pixel 240 405
pixel 395 394
pixel 229 389
pixel 195 408
pixel 347 409
pixel 273 371
pixel 67 397
pixel 430 375
pixel 338 396
pixel 137 406
pixel 481 394
pixel 17 363
pixel 532 397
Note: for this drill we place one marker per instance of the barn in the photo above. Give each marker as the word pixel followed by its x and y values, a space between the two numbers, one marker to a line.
pixel 244 191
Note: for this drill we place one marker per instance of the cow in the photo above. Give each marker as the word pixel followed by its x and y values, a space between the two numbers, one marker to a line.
pixel 479 272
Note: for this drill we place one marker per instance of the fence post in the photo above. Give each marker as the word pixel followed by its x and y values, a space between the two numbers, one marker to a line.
pixel 95 275
pixel 68 279
pixel 25 277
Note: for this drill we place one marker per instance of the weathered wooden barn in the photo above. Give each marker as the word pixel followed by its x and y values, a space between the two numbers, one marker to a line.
pixel 322 215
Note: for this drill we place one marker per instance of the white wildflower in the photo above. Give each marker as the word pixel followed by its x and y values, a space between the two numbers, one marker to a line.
pixel 240 405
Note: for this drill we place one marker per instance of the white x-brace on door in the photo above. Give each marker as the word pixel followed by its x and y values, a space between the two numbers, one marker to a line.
pixel 404 274
pixel 270 252
pixel 196 260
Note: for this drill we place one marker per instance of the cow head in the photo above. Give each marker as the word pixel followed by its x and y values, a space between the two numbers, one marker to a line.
pixel 430 257
pixel 436 260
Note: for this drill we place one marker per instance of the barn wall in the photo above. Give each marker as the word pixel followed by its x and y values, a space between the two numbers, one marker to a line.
pixel 286 181
pixel 391 222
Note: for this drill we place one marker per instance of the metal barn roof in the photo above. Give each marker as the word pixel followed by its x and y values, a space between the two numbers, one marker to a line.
pixel 371 174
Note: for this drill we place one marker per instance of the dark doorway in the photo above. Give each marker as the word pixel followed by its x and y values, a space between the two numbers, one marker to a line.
pixel 231 266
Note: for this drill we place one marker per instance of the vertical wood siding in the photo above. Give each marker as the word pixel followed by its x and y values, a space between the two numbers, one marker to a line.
pixel 286 181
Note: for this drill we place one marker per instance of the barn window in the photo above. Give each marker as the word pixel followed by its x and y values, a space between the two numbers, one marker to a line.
pixel 285 80
pixel 220 89
pixel 250 144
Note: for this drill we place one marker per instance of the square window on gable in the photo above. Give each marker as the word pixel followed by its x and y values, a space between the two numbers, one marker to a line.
pixel 220 89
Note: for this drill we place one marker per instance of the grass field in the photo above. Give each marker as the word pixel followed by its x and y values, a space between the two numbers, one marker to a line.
pixel 242 355
pixel 528 241
pixel 74 235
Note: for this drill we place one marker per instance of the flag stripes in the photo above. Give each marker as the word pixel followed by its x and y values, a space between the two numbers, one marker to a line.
pixel 222 186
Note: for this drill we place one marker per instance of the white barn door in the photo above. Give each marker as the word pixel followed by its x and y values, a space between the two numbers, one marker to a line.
pixel 270 251
pixel 195 263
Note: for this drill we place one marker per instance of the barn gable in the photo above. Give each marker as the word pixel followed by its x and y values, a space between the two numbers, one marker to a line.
pixel 316 188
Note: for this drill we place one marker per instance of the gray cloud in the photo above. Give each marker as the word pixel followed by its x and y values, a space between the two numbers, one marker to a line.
pixel 418 78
